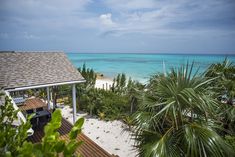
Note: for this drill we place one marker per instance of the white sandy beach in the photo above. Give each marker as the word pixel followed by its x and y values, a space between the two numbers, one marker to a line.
pixel 111 136
pixel 104 83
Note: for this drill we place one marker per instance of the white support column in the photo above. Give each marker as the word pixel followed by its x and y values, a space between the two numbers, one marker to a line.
pixel 74 103
pixel 48 98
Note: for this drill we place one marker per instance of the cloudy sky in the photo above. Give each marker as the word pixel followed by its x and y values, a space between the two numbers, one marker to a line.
pixel 143 26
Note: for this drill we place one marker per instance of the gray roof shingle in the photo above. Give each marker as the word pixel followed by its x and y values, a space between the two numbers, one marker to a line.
pixel 24 69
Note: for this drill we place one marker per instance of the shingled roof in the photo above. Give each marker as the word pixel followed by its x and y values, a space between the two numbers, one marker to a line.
pixel 25 69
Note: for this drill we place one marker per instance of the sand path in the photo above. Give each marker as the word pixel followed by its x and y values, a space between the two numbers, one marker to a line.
pixel 112 136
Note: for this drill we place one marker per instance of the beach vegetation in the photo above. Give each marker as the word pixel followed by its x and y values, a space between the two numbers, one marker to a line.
pixel 51 144
pixel 128 120
pixel 13 138
pixel 119 83
pixel 89 75
pixel 224 73
pixel 231 140
pixel 179 113
pixel 224 91
pixel 178 116
pixel 101 115
pixel 114 103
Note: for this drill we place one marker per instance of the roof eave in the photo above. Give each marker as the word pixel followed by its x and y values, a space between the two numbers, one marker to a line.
pixel 44 85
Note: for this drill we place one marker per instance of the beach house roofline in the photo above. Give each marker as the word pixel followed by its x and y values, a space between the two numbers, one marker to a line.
pixel 38 69
pixel 28 69
pixel 44 85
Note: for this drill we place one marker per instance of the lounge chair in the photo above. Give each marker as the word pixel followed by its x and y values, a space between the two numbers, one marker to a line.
pixel 39 109
pixel 29 111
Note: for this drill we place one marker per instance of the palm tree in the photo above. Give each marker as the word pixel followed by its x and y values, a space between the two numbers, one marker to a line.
pixel 132 91
pixel 177 117
pixel 123 80
pixel 225 84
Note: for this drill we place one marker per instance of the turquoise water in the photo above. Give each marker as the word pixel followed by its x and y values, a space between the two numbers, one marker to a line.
pixel 141 66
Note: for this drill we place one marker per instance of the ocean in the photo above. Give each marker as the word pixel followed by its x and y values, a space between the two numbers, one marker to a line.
pixel 141 66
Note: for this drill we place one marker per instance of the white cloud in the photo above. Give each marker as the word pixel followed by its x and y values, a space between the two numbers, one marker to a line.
pixel 106 20
pixel 123 17
pixel 168 17
pixel 46 17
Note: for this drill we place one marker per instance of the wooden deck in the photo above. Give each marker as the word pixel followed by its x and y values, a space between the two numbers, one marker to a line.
pixel 32 104
pixel 88 148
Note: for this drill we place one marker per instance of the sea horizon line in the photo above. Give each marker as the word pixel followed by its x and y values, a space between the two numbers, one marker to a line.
pixel 151 53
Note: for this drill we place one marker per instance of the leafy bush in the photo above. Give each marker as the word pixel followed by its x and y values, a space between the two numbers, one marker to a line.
pixel 230 140
pixel 225 79
pixel 113 105
pixel 51 145
pixel 224 91
pixel 88 74
pixel 94 101
pixel 13 138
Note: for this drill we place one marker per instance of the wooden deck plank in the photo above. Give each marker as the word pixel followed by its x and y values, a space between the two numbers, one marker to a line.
pixel 88 149
pixel 86 139
pixel 32 104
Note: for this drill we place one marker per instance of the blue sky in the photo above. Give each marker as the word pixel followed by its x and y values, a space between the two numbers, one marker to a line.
pixel 144 26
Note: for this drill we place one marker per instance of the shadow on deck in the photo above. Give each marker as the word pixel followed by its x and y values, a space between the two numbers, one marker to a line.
pixel 87 149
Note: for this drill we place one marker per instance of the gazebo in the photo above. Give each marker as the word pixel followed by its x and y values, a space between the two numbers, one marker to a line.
pixel 30 70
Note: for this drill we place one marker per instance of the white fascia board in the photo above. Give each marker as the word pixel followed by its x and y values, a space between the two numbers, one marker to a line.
pixel 45 85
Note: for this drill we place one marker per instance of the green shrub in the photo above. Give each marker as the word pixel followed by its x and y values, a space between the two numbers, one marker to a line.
pixel 13 139
pixel 51 145
pixel 230 140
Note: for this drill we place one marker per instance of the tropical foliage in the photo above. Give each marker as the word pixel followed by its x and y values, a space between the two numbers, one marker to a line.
pixel 13 138
pixel 177 117
pixel 224 86
pixel 225 79
pixel 51 145
pixel 108 104
pixel 181 113
pixel 88 74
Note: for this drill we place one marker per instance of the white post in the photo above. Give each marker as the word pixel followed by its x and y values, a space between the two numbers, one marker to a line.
pixel 51 95
pixel 74 103
pixel 164 68
pixel 48 98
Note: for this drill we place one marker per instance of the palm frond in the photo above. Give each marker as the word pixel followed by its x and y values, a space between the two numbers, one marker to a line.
pixel 178 116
